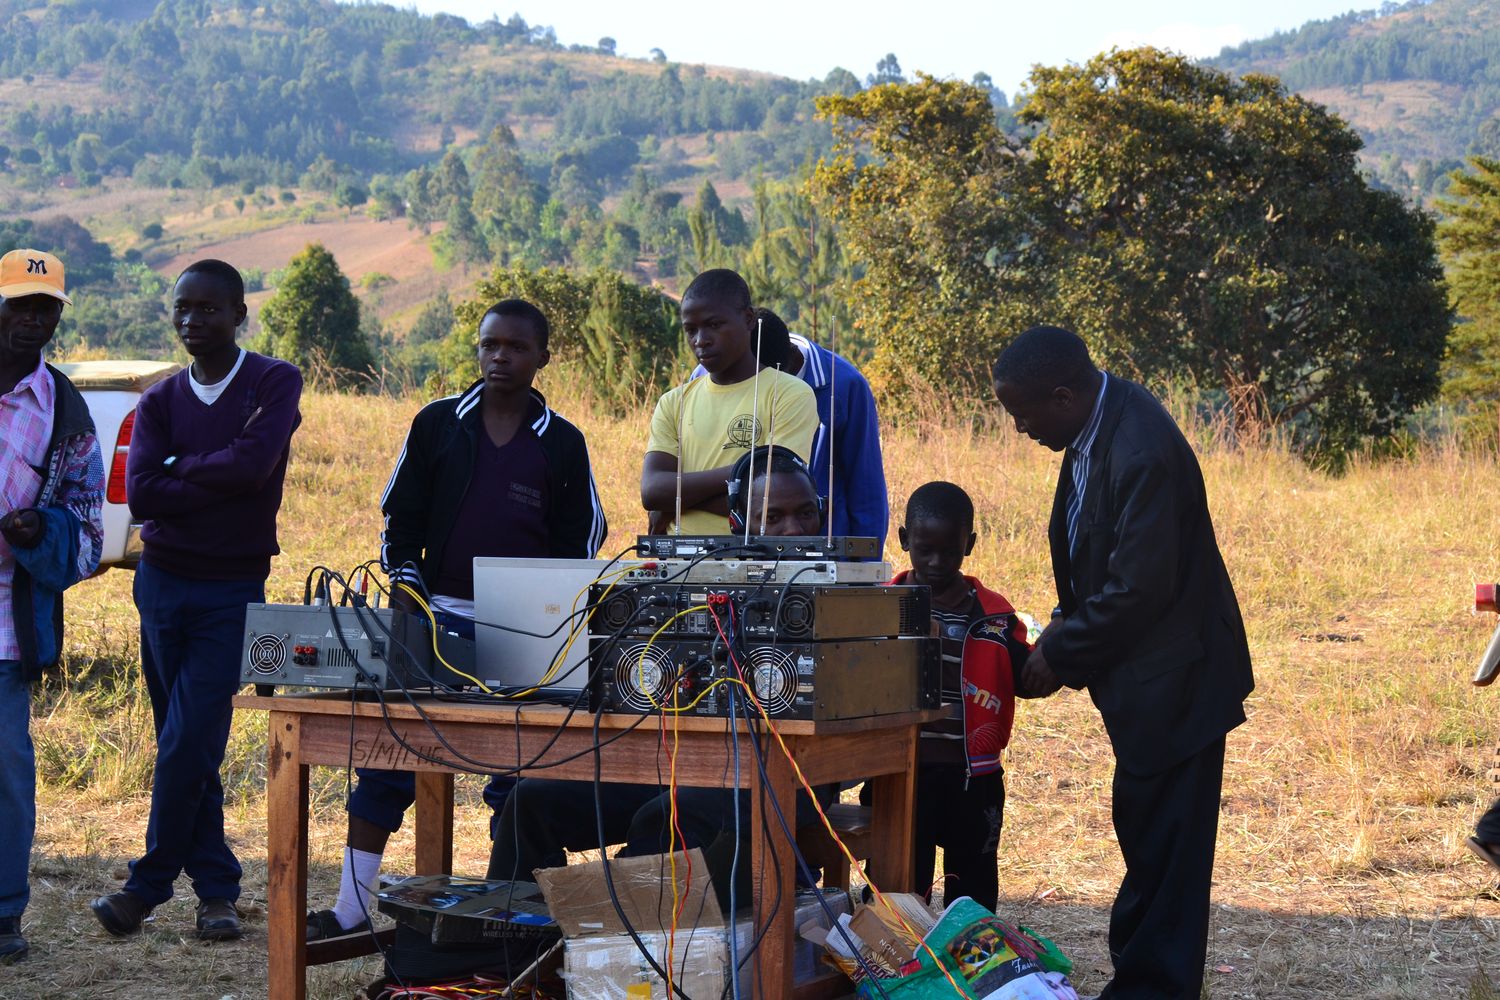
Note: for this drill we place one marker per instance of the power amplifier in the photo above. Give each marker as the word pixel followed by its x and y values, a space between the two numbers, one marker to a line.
pixel 811 680
pixel 842 548
pixel 765 612
pixel 302 645
pixel 757 571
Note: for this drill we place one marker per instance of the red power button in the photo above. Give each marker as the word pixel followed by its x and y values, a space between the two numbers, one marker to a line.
pixel 1484 597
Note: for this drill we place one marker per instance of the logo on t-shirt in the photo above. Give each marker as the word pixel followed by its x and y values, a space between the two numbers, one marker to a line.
pixel 743 432
pixel 525 495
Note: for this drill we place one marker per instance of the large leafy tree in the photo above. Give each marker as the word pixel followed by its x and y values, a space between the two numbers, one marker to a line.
pixel 1470 240
pixel 920 184
pixel 1187 224
pixel 1197 225
pixel 313 319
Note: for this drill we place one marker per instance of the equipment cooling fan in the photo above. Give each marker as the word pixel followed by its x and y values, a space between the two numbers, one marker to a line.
pixel 795 618
pixel 266 654
pixel 773 678
pixel 643 677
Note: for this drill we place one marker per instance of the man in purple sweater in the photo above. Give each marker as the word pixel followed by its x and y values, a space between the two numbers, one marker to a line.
pixel 207 460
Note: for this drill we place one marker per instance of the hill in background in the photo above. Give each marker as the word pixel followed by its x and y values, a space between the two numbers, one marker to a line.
pixel 1420 81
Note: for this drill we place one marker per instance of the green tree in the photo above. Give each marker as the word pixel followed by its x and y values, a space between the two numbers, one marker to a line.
pixel 313 319
pixel 1187 224
pixel 507 203
pixel 919 185
pixel 1198 226
pixel 1470 240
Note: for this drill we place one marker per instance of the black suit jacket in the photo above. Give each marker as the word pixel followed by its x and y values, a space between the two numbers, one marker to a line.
pixel 1149 621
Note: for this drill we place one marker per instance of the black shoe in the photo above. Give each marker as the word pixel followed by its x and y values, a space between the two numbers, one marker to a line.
pixel 13 947
pixel 218 920
pixel 121 912
pixel 322 925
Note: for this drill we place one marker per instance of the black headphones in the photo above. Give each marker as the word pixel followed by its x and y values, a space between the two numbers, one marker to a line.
pixel 737 486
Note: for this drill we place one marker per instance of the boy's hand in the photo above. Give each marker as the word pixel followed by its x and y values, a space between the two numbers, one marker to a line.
pixel 657 522
pixel 21 528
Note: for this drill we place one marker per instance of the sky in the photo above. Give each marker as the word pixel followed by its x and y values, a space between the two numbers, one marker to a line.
pixel 949 38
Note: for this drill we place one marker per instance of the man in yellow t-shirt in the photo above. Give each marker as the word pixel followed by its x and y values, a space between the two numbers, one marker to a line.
pixel 707 424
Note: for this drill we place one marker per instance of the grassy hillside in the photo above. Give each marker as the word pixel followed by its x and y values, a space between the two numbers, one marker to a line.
pixel 1341 868
pixel 1417 79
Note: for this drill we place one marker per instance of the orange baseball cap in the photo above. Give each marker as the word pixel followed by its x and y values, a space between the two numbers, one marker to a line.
pixel 31 272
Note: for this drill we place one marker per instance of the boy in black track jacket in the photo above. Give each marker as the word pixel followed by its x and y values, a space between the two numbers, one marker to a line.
pixel 492 471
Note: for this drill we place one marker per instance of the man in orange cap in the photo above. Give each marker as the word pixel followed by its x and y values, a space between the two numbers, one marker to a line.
pixel 51 494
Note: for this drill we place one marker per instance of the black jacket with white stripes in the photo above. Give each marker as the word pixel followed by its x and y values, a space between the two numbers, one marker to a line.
pixel 422 499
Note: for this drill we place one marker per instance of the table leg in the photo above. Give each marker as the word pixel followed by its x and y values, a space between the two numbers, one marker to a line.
pixel 773 962
pixel 434 848
pixel 286 861
pixel 894 799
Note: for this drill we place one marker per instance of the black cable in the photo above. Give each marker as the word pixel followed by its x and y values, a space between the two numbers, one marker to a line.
pixel 791 838
pixel 609 880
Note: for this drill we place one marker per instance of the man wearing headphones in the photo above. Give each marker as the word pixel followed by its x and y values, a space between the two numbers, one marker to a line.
pixel 769 486
pixel 772 489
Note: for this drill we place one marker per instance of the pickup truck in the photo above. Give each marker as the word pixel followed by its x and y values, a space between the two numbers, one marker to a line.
pixel 111 389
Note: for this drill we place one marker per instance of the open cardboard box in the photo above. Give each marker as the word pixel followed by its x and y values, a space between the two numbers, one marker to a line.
pixel 601 962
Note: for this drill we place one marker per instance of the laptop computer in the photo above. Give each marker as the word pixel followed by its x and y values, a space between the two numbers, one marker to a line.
pixel 518 605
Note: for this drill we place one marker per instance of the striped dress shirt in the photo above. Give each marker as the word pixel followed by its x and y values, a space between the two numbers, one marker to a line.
pixel 1079 453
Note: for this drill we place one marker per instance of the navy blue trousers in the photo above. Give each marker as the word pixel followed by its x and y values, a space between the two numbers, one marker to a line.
pixel 192 632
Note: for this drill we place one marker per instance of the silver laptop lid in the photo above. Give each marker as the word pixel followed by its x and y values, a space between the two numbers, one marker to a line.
pixel 535 596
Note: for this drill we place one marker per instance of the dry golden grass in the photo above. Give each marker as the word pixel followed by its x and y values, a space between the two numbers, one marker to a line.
pixel 1341 869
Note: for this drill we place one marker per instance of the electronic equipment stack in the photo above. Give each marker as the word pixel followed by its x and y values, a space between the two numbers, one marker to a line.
pixel 812 633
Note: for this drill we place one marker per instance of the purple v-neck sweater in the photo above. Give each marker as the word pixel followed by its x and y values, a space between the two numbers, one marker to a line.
pixel 210 513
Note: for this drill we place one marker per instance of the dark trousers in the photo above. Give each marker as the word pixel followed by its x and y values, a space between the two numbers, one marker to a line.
pixel 543 818
pixel 192 632
pixel 1167 824
pixel 1488 827
pixel 965 822
pixel 381 797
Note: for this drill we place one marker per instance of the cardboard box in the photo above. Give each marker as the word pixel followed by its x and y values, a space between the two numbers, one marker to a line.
pixel 601 962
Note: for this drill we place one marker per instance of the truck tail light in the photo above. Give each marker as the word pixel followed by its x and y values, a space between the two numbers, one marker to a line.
pixel 115 491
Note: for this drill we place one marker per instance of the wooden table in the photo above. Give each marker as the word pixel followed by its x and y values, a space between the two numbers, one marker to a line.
pixel 308 729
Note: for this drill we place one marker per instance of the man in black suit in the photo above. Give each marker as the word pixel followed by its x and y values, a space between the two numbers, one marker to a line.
pixel 1146 620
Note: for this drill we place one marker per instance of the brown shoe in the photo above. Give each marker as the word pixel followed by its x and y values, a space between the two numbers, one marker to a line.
pixel 218 920
pixel 121 912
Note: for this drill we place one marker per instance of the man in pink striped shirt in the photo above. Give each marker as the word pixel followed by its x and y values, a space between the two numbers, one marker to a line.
pixel 51 494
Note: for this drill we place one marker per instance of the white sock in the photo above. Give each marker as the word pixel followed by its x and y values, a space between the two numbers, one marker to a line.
pixel 357 887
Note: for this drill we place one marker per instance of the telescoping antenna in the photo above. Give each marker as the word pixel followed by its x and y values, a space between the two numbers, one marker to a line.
pixel 770 447
pixel 833 374
pixel 754 424
pixel 677 509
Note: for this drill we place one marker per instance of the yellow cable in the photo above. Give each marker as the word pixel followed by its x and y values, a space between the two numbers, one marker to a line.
pixel 432 620
pixel 828 825
pixel 640 663
pixel 578 628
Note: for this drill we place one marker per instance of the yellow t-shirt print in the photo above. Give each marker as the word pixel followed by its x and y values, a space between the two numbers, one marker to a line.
pixel 708 426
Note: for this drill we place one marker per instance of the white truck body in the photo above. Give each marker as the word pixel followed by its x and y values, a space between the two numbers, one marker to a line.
pixel 111 389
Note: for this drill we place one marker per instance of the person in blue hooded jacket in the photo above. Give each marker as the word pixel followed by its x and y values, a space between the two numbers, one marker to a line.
pixel 51 496
pixel 846 460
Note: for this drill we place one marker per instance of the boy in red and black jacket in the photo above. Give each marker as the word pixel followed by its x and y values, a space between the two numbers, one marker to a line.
pixel 960 782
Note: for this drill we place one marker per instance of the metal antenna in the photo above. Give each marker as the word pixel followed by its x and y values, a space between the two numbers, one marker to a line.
pixel 677 511
pixel 754 425
pixel 770 446
pixel 833 374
